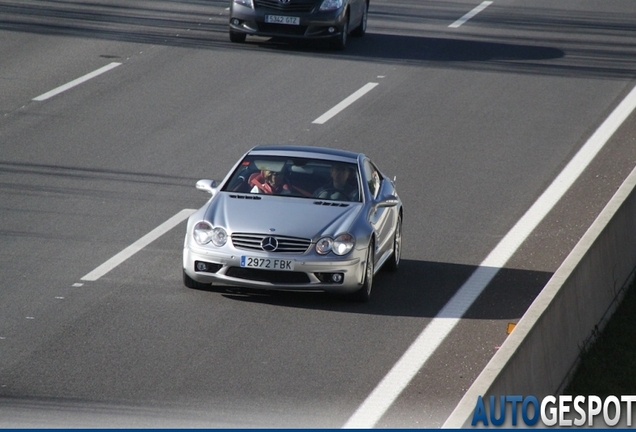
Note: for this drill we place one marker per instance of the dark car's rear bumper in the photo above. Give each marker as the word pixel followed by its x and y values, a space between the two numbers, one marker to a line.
pixel 319 25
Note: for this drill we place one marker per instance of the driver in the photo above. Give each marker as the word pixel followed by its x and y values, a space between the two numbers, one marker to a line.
pixel 339 187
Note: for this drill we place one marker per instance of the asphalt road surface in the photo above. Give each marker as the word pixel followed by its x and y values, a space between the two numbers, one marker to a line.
pixel 475 115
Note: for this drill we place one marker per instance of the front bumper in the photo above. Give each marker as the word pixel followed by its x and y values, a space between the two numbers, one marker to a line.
pixel 311 273
pixel 318 25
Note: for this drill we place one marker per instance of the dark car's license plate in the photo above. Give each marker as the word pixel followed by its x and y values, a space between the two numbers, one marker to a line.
pixel 267 263
pixel 279 19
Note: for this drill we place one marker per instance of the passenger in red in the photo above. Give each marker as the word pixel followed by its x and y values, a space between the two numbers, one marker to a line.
pixel 269 182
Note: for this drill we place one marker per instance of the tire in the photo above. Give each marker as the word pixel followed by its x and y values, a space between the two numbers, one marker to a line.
pixel 364 294
pixel 340 43
pixel 394 262
pixel 362 28
pixel 237 37
pixel 191 283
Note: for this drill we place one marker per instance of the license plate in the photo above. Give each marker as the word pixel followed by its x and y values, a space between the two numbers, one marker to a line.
pixel 278 19
pixel 267 263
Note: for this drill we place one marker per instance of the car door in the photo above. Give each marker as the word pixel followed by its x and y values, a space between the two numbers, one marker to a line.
pixel 381 218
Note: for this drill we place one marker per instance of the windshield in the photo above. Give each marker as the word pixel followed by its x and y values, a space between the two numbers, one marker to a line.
pixel 299 177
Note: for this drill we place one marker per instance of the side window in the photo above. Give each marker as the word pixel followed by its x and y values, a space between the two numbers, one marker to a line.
pixel 372 174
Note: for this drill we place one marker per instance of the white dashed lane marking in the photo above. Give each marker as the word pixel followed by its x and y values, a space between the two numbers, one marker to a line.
pixel 470 14
pixel 76 82
pixel 345 103
pixel 137 246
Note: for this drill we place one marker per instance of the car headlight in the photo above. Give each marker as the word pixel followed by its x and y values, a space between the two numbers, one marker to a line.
pixel 247 3
pixel 343 244
pixel 204 233
pixel 323 246
pixel 329 5
pixel 219 236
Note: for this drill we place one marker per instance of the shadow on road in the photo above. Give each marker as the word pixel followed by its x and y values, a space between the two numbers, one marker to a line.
pixel 418 289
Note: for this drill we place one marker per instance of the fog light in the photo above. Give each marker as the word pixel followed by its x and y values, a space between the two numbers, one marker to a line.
pixel 235 21
pixel 331 30
pixel 330 278
pixel 202 266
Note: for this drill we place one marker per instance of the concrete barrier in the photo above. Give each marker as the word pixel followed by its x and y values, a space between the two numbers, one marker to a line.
pixel 541 352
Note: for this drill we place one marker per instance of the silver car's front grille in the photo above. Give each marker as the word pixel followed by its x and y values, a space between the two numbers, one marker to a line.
pixel 298 6
pixel 283 243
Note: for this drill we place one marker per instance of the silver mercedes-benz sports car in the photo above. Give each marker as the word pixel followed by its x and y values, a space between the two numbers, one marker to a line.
pixel 295 219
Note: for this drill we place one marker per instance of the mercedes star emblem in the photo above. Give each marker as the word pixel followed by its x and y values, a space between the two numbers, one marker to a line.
pixel 269 244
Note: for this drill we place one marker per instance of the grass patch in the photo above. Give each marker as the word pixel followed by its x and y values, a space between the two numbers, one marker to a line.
pixel 608 367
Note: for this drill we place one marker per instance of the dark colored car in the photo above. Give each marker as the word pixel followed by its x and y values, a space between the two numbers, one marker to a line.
pixel 331 20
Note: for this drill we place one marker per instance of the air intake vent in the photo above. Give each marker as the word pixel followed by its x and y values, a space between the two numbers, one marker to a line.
pixel 271 276
pixel 249 197
pixel 331 203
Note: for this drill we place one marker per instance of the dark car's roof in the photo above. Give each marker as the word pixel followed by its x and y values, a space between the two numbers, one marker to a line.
pixel 305 151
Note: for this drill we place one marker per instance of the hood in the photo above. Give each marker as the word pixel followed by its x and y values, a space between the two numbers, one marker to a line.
pixel 288 216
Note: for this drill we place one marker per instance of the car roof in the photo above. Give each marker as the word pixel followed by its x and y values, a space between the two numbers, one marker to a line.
pixel 305 151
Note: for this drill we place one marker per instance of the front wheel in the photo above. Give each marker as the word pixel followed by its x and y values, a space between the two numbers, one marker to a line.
pixel 340 43
pixel 237 37
pixel 362 28
pixel 364 293
pixel 394 262
pixel 191 283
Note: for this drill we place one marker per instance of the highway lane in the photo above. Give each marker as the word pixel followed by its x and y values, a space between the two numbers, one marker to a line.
pixel 475 121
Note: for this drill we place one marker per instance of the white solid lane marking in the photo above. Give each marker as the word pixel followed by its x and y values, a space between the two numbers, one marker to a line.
pixel 396 380
pixel 470 14
pixel 345 103
pixel 138 245
pixel 76 82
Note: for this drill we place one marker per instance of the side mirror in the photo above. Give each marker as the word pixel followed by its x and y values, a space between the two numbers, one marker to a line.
pixel 208 186
pixel 387 201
